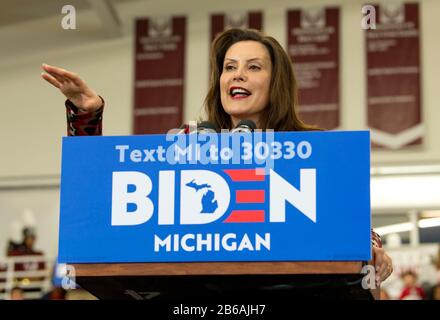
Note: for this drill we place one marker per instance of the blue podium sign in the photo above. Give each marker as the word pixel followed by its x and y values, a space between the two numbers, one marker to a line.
pixel 284 196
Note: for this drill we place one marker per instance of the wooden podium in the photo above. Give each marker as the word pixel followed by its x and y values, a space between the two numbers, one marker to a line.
pixel 121 209
pixel 211 281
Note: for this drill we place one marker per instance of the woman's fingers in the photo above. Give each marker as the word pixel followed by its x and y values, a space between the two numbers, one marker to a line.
pixel 73 77
pixel 378 261
pixel 54 73
pixel 384 274
pixel 378 257
pixel 387 267
pixel 383 264
pixel 51 80
pixel 64 74
pixel 52 69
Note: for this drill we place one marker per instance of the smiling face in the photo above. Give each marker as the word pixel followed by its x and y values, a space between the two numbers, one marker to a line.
pixel 245 81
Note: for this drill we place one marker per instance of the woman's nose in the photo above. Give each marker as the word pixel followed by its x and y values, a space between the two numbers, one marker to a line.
pixel 239 74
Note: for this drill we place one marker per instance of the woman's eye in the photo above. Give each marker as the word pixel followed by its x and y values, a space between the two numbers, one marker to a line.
pixel 254 67
pixel 228 68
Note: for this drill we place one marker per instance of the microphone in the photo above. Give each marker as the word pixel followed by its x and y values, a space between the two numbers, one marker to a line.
pixel 245 126
pixel 206 127
pixel 191 128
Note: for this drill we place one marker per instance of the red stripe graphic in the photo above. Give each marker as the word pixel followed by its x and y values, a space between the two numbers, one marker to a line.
pixel 245 175
pixel 246 216
pixel 249 196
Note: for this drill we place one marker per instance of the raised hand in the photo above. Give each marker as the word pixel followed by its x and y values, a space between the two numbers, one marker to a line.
pixel 73 87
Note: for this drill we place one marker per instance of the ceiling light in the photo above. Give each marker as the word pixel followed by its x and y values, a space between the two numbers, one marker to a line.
pixel 394 228
pixel 428 223
pixel 407 226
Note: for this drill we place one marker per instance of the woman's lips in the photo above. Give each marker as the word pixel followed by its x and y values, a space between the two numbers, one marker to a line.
pixel 239 93
pixel 239 97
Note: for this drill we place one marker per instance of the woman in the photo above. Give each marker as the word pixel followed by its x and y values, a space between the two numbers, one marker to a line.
pixel 251 78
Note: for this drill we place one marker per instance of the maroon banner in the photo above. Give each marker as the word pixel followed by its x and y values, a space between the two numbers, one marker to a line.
pixel 159 74
pixel 393 76
pixel 222 22
pixel 313 45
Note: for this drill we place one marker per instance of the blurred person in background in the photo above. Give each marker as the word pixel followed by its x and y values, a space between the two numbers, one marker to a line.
pixel 17 294
pixel 27 269
pixel 411 290
pixel 26 247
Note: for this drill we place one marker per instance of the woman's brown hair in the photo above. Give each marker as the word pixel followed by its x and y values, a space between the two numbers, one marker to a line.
pixel 281 113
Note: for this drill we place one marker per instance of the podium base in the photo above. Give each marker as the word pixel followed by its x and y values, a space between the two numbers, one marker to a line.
pixel 209 289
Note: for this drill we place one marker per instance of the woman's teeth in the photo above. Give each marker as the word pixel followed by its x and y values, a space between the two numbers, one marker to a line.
pixel 241 92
